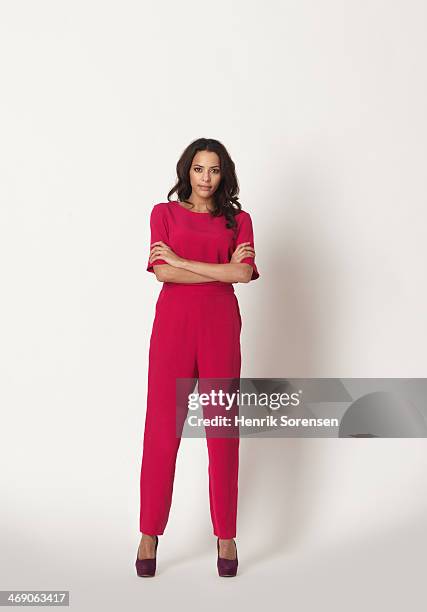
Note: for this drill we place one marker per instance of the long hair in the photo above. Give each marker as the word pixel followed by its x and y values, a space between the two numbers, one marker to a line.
pixel 226 195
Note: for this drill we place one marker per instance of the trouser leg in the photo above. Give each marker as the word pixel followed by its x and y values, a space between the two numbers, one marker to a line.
pixel 172 355
pixel 219 356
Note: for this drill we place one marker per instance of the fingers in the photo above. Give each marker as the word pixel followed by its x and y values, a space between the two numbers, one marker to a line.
pixel 249 251
pixel 245 252
pixel 161 247
pixel 158 252
pixel 244 246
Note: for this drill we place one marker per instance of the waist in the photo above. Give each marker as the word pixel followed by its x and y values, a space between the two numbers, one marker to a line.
pixel 202 288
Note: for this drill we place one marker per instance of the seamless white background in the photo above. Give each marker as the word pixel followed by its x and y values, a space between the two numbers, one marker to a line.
pixel 322 107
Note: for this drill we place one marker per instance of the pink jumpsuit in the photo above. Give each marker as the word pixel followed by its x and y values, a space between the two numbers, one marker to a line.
pixel 195 334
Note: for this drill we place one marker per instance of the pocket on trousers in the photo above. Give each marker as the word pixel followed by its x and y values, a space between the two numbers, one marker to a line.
pixel 160 299
pixel 238 311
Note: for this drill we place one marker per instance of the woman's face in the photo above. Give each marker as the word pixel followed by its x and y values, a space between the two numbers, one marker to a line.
pixel 205 173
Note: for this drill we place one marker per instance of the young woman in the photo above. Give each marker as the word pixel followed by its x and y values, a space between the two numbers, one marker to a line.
pixel 201 244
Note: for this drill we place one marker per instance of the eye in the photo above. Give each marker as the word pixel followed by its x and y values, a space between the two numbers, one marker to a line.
pixel 215 171
pixel 196 169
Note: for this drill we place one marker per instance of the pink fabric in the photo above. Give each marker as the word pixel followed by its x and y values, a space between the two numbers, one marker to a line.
pixel 199 236
pixel 196 334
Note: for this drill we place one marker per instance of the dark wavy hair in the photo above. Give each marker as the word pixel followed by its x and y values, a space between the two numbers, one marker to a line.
pixel 226 195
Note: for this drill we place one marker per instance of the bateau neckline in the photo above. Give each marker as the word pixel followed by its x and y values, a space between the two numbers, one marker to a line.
pixel 190 211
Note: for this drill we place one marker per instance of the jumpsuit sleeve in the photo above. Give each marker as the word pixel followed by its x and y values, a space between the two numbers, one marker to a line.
pixel 245 234
pixel 158 231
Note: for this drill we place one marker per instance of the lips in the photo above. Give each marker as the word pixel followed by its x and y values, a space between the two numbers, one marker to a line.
pixel 203 187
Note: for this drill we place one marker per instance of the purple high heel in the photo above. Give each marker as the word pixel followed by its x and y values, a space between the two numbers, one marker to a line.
pixel 146 567
pixel 226 567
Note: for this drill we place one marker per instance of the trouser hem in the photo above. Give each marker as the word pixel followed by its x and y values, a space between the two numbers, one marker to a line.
pixel 151 532
pixel 225 535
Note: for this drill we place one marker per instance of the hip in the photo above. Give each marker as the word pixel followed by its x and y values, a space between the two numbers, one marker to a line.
pixel 217 301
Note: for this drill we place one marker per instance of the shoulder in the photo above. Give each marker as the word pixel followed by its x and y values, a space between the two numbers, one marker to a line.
pixel 243 214
pixel 243 217
pixel 160 207
pixel 159 210
pixel 160 215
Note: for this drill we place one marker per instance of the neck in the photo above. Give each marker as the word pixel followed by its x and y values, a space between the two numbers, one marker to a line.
pixel 201 204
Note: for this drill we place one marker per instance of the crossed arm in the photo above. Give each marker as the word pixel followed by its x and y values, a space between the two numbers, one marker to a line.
pixel 181 270
pixel 187 273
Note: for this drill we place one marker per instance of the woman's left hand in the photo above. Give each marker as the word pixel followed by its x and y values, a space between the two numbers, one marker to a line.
pixel 160 250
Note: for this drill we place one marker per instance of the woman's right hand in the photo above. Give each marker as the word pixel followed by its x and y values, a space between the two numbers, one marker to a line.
pixel 242 251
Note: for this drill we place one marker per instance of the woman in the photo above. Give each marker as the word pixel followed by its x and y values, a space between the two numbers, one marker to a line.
pixel 200 245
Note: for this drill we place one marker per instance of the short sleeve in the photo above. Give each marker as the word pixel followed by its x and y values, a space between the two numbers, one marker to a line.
pixel 245 234
pixel 159 231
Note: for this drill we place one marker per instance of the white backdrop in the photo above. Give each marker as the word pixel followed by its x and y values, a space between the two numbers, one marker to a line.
pixel 322 107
